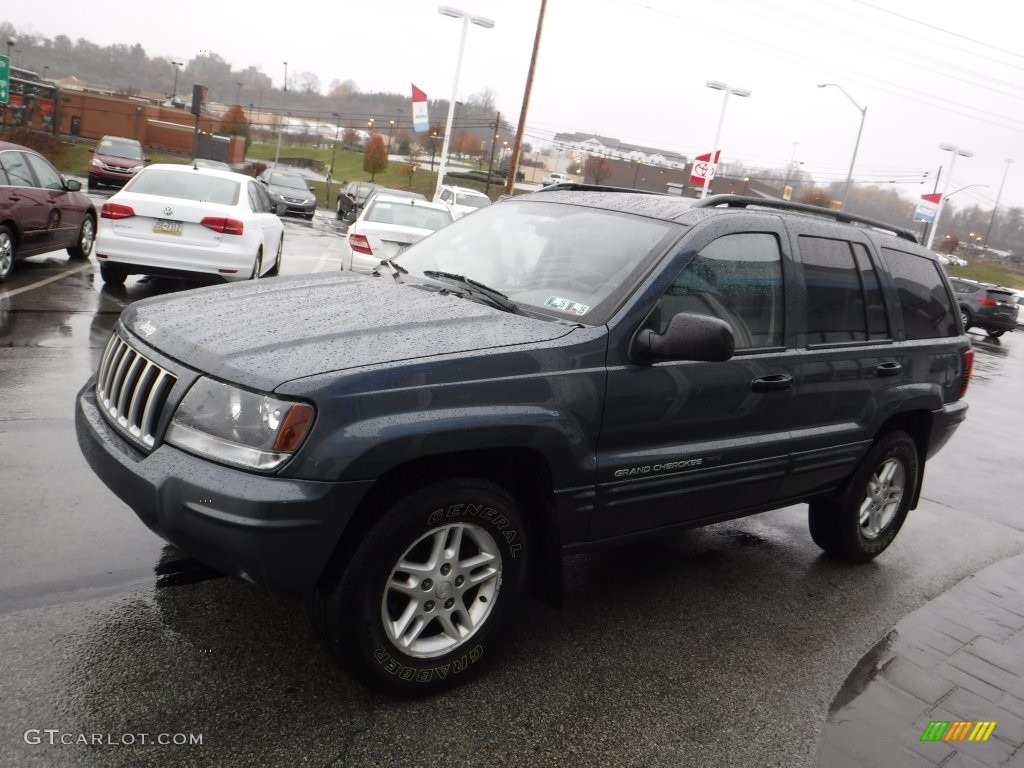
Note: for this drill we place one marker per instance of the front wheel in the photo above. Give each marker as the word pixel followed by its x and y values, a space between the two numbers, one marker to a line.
pixel 423 601
pixel 858 522
pixel 112 275
pixel 996 334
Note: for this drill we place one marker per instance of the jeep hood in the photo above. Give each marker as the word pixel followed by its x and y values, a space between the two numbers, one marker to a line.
pixel 264 333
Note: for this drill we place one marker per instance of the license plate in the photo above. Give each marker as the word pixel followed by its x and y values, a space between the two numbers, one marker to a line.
pixel 167 227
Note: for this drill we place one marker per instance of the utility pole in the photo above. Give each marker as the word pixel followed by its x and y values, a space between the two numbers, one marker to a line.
pixel 995 208
pixel 517 145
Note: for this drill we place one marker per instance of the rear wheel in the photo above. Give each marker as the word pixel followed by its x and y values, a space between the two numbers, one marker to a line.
pixel 6 253
pixel 112 275
pixel 425 597
pixel 257 265
pixel 966 317
pixel 276 269
pixel 86 236
pixel 858 522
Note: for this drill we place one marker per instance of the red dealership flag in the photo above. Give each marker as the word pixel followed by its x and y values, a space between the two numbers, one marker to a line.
pixel 704 167
pixel 420 120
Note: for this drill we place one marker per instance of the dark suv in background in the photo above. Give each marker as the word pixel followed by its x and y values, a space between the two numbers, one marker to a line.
pixel 115 161
pixel 557 372
pixel 983 305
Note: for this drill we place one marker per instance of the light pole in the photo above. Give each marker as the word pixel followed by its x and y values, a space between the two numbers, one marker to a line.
pixel 863 114
pixel 996 206
pixel 177 69
pixel 330 170
pixel 285 76
pixel 715 85
pixel 467 19
pixel 391 127
pixel 280 130
pixel 957 152
pixel 238 92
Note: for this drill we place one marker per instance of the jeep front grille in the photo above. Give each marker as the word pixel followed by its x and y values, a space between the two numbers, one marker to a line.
pixel 131 391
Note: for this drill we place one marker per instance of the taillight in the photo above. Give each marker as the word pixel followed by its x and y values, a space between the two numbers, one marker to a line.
pixel 116 211
pixel 968 370
pixel 360 244
pixel 221 224
pixel 987 302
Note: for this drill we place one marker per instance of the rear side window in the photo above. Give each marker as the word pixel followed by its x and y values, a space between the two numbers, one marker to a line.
pixel 16 167
pixel 844 302
pixel 925 303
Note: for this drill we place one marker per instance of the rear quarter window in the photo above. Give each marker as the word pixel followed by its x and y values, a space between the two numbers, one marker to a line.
pixel 925 304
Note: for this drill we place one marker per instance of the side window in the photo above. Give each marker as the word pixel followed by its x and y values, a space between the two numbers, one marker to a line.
pixel 17 169
pixel 928 312
pixel 264 200
pixel 736 278
pixel 254 200
pixel 45 173
pixel 840 291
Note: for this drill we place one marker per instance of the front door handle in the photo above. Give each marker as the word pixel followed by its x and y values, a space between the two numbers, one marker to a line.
pixel 772 383
pixel 891 368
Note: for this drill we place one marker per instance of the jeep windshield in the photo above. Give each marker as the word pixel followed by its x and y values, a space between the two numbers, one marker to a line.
pixel 556 259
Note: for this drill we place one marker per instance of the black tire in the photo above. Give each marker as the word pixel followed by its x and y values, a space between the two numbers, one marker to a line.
pixel 8 250
pixel 90 184
pixel 996 334
pixel 454 610
pixel 965 315
pixel 112 275
pixel 858 522
pixel 276 269
pixel 257 265
pixel 86 237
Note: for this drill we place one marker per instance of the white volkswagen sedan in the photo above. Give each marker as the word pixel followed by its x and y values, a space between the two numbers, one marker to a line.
pixel 388 225
pixel 184 221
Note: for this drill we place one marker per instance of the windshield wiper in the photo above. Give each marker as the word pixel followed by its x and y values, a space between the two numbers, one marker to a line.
pixel 494 297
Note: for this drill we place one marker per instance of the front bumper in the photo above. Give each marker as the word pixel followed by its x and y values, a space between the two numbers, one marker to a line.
pixel 274 531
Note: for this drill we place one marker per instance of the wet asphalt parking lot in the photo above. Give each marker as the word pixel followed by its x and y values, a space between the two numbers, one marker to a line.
pixel 717 647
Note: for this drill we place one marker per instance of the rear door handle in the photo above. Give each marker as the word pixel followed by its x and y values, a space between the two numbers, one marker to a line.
pixel 772 383
pixel 891 368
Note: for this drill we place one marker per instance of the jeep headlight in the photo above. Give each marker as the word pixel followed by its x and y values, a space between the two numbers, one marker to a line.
pixel 237 427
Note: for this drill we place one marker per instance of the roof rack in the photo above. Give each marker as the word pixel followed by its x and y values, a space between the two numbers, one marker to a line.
pixel 580 187
pixel 738 201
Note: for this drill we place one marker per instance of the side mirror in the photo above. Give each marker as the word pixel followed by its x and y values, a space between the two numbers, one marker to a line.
pixel 688 337
pixel 72 185
pixel 313 190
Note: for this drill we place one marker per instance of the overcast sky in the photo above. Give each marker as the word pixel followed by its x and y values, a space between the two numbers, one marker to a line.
pixel 930 72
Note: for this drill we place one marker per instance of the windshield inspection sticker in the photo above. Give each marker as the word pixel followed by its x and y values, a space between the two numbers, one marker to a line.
pixel 565 305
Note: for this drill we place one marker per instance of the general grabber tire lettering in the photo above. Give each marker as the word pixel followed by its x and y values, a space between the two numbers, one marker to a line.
pixel 860 521
pixel 422 603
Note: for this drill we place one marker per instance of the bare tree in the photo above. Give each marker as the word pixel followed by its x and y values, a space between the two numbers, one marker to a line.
pixel 596 169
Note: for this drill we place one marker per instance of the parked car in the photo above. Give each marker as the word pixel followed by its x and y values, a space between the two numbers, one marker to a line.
pixel 183 221
pixel 40 210
pixel 1020 308
pixel 461 200
pixel 352 198
pixel 556 178
pixel 290 190
pixel 983 305
pixel 555 373
pixel 387 226
pixel 115 161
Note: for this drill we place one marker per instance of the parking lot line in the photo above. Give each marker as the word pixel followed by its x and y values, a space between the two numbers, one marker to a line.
pixel 65 273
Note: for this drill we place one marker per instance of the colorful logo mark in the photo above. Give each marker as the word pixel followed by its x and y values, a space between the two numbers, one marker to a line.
pixel 958 730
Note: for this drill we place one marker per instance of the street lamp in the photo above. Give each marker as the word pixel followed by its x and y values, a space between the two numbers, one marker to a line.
pixel 957 152
pixel 330 170
pixel 467 19
pixel 280 130
pixel 863 114
pixel 391 126
pixel 715 85
pixel 238 93
pixel 285 76
pixel 996 206
pixel 177 69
